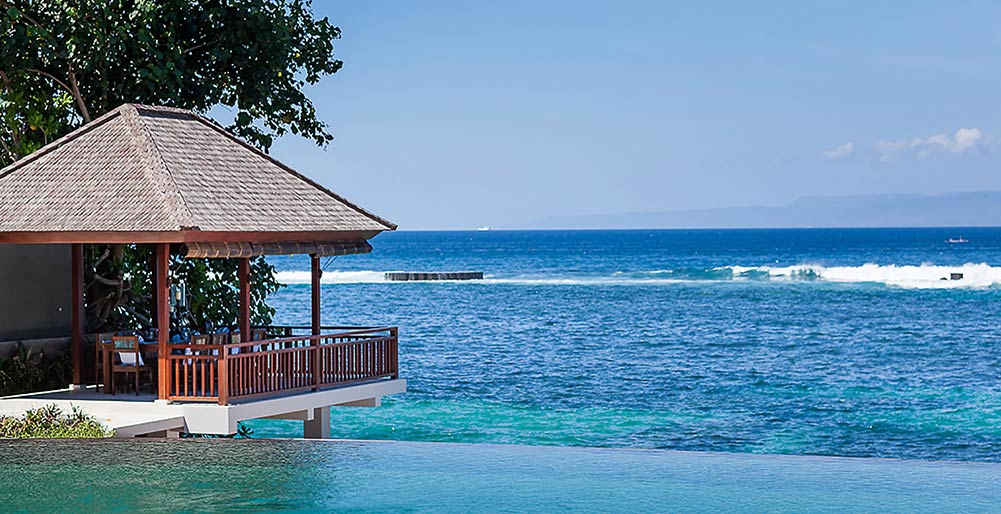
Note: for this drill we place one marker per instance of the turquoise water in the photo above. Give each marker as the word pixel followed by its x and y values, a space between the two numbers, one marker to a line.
pixel 310 476
pixel 813 342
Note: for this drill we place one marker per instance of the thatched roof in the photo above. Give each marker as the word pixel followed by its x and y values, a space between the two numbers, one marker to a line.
pixel 158 174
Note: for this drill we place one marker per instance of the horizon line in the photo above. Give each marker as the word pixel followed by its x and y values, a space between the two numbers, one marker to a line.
pixel 583 229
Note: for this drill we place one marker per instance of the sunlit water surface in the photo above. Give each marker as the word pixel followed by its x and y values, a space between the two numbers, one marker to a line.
pixel 817 342
pixel 309 476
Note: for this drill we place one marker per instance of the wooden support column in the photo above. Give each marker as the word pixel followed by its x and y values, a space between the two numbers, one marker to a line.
pixel 315 274
pixel 161 294
pixel 77 316
pixel 315 282
pixel 153 300
pixel 244 275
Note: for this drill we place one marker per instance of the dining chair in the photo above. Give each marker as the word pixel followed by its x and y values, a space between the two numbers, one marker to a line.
pixel 200 340
pixel 126 357
pixel 258 334
pixel 100 341
pixel 223 338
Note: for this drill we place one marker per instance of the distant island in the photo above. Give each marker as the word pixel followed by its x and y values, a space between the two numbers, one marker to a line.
pixel 972 209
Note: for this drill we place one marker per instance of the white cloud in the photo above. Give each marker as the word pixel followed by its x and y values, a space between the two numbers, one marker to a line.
pixel 890 150
pixel 964 140
pixel 841 151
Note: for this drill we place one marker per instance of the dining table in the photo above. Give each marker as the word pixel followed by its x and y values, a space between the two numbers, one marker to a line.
pixel 148 349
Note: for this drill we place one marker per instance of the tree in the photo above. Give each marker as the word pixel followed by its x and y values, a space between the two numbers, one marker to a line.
pixel 65 62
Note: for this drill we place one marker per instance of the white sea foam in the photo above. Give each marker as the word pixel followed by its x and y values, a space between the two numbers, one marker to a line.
pixel 331 277
pixel 924 276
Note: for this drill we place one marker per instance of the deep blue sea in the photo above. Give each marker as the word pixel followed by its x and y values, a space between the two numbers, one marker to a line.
pixel 816 342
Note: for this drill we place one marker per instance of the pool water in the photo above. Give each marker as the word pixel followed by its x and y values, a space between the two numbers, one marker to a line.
pixel 298 475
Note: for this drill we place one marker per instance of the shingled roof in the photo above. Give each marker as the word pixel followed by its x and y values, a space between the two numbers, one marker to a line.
pixel 158 174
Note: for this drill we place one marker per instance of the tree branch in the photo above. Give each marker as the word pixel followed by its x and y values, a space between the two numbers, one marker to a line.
pixel 8 5
pixel 10 152
pixel 51 77
pixel 198 46
pixel 106 281
pixel 14 136
pixel 77 96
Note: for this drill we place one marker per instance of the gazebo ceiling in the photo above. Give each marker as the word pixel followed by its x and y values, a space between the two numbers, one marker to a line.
pixel 162 175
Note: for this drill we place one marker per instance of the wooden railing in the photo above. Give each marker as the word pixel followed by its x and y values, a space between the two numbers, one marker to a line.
pixel 226 372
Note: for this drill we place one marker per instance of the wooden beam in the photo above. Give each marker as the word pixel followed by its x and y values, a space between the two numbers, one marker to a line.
pixel 315 274
pixel 161 281
pixel 184 236
pixel 78 315
pixel 244 275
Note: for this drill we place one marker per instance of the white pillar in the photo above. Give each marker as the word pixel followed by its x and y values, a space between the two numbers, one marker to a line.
pixel 319 426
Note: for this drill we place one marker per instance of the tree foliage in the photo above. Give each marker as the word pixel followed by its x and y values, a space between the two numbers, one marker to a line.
pixel 65 62
pixel 72 60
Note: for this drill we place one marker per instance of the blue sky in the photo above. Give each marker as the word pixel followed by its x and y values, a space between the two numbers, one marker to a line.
pixel 468 113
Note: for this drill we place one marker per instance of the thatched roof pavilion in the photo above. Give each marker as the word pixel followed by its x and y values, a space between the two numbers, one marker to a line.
pixel 157 174
pixel 171 178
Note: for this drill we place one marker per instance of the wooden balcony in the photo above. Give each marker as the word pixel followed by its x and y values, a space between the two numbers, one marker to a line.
pixel 286 364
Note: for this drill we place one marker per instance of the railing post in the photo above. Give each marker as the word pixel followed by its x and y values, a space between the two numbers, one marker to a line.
pixel 315 348
pixel 223 375
pixel 394 358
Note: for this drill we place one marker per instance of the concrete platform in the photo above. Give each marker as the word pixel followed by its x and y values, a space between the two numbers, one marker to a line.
pixel 130 415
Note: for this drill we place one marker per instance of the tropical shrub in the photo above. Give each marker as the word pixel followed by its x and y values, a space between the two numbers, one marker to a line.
pixel 50 422
pixel 28 370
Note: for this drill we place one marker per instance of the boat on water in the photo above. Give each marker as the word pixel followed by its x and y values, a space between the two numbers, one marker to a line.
pixel 483 229
pixel 955 241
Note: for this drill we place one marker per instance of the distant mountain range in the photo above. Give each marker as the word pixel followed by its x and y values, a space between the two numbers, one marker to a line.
pixel 945 210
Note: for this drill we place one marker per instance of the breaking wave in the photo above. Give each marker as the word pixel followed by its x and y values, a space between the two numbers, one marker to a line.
pixel 331 277
pixel 924 276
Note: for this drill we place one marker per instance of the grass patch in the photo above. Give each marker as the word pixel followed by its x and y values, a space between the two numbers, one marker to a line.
pixel 50 422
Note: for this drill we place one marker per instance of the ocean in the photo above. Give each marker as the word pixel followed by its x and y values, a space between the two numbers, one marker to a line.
pixel 840 342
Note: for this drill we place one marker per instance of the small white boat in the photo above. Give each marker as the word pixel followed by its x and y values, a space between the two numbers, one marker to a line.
pixel 954 241
pixel 483 229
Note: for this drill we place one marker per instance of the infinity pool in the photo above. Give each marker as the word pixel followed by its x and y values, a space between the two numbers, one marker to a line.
pixel 294 475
